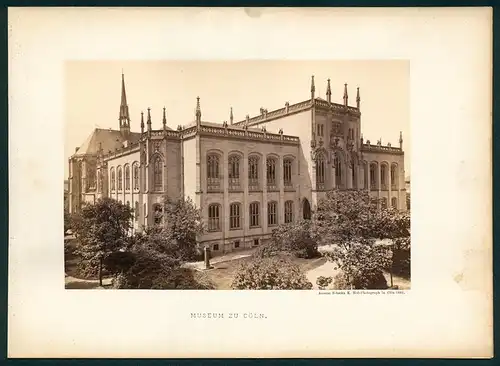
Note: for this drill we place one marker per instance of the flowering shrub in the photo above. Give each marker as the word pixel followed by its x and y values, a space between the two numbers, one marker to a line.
pixel 273 273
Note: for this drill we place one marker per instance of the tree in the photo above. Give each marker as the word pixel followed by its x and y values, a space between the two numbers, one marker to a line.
pixel 292 238
pixel 102 229
pixel 351 223
pixel 67 221
pixel 183 224
pixel 272 273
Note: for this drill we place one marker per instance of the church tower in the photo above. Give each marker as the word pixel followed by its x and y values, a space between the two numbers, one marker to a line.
pixel 124 117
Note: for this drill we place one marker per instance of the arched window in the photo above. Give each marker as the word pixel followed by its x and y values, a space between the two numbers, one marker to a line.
pixel 254 214
pixel 394 202
pixel 136 211
pixel 394 176
pixel 120 178
pixel 338 171
pixel 288 212
pixel 158 174
pixel 287 172
pixel 234 216
pixel 158 214
pixel 136 176
pixel 373 176
pixel 127 177
pixel 306 209
pixel 234 172
pixel 113 179
pixel 383 176
pixel 213 177
pixel 272 213
pixel 214 217
pixel 271 173
pixel 320 171
pixel 253 173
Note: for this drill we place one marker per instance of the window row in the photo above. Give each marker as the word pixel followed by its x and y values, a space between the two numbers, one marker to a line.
pixel 254 215
pixel 254 172
pixel 118 177
pixel 371 177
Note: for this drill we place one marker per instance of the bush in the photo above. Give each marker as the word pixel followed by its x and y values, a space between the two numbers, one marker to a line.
pixel 361 281
pixel 323 282
pixel 294 239
pixel 273 273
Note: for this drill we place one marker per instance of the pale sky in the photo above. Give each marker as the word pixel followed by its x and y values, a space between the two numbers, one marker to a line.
pixel 94 91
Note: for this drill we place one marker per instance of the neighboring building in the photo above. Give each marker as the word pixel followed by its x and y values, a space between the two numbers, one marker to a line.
pixel 246 176
pixel 66 195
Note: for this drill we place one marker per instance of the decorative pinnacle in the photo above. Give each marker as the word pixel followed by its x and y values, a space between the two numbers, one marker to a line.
pixel 164 116
pixel 142 119
pixel 313 88
pixel 231 116
pixel 328 88
pixel 345 94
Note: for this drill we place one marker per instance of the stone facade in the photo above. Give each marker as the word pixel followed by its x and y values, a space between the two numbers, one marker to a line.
pixel 246 176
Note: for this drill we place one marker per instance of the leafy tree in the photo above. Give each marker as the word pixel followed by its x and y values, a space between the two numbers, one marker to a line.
pixel 272 273
pixel 323 282
pixel 102 229
pixel 408 200
pixel 183 224
pixel 293 238
pixel 351 223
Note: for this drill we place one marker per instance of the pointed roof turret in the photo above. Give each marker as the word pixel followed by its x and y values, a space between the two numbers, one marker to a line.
pixel 148 122
pixel 401 140
pixel 164 118
pixel 231 116
pixel 328 92
pixel 313 87
pixel 142 122
pixel 358 99
pixel 345 95
pixel 198 111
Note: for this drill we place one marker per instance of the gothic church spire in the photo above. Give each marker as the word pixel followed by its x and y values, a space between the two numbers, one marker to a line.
pixel 124 117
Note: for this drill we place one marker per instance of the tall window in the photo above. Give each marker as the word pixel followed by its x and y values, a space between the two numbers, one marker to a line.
pixel 320 130
pixel 287 172
pixel 320 171
pixel 113 179
pixel 373 176
pixel 384 202
pixel 120 178
pixel 394 202
pixel 136 176
pixel 253 172
pixel 272 213
pixel 353 172
pixel 383 173
pixel 213 177
pixel 214 217
pixel 158 214
pixel 99 181
pixel 271 172
pixel 234 172
pixel 338 171
pixel 136 211
pixel 127 178
pixel 158 174
pixel 394 174
pixel 234 216
pixel 254 214
pixel 288 212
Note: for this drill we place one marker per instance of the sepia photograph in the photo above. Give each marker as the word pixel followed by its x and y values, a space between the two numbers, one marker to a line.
pixel 243 175
pixel 305 182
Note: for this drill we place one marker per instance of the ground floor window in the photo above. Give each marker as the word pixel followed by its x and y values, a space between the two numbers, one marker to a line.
pixel 216 246
pixel 237 244
pixel 256 242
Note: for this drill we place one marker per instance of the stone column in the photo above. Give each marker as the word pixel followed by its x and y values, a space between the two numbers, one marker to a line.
pixel 224 215
pixel 281 186
pixel 263 209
